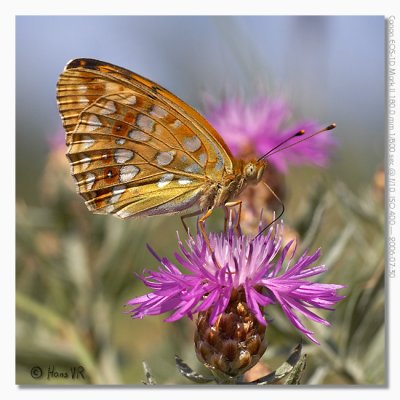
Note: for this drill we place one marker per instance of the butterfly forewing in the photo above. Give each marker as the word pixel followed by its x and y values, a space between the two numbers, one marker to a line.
pixel 135 149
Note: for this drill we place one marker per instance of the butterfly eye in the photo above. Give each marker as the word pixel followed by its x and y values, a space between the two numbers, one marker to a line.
pixel 250 170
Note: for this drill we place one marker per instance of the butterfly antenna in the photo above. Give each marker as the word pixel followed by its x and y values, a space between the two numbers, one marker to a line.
pixel 279 147
pixel 275 219
pixel 299 133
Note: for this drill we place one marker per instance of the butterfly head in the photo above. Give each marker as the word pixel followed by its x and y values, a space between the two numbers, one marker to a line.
pixel 253 171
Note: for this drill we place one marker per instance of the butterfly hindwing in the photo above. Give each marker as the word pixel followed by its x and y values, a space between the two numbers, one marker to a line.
pixel 124 159
pixel 135 150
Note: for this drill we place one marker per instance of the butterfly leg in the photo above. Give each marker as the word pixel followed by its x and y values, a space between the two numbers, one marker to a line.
pixel 201 224
pixel 233 204
pixel 192 214
pixel 203 232
pixel 226 211
pixel 202 227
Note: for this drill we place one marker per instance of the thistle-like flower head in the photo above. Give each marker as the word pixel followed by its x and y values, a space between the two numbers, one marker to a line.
pixel 257 267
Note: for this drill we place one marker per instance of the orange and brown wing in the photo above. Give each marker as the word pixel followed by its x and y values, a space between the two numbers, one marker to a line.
pixel 135 149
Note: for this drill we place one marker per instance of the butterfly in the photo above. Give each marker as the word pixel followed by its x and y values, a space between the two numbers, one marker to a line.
pixel 136 149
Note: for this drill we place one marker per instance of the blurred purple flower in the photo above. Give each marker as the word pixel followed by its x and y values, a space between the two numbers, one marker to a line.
pixel 56 141
pixel 238 262
pixel 264 123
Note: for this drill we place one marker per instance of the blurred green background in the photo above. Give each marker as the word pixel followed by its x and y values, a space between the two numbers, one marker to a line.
pixel 75 270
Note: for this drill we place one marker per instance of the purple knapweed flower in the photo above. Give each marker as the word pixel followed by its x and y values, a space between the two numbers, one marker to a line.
pixel 239 263
pixel 264 123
